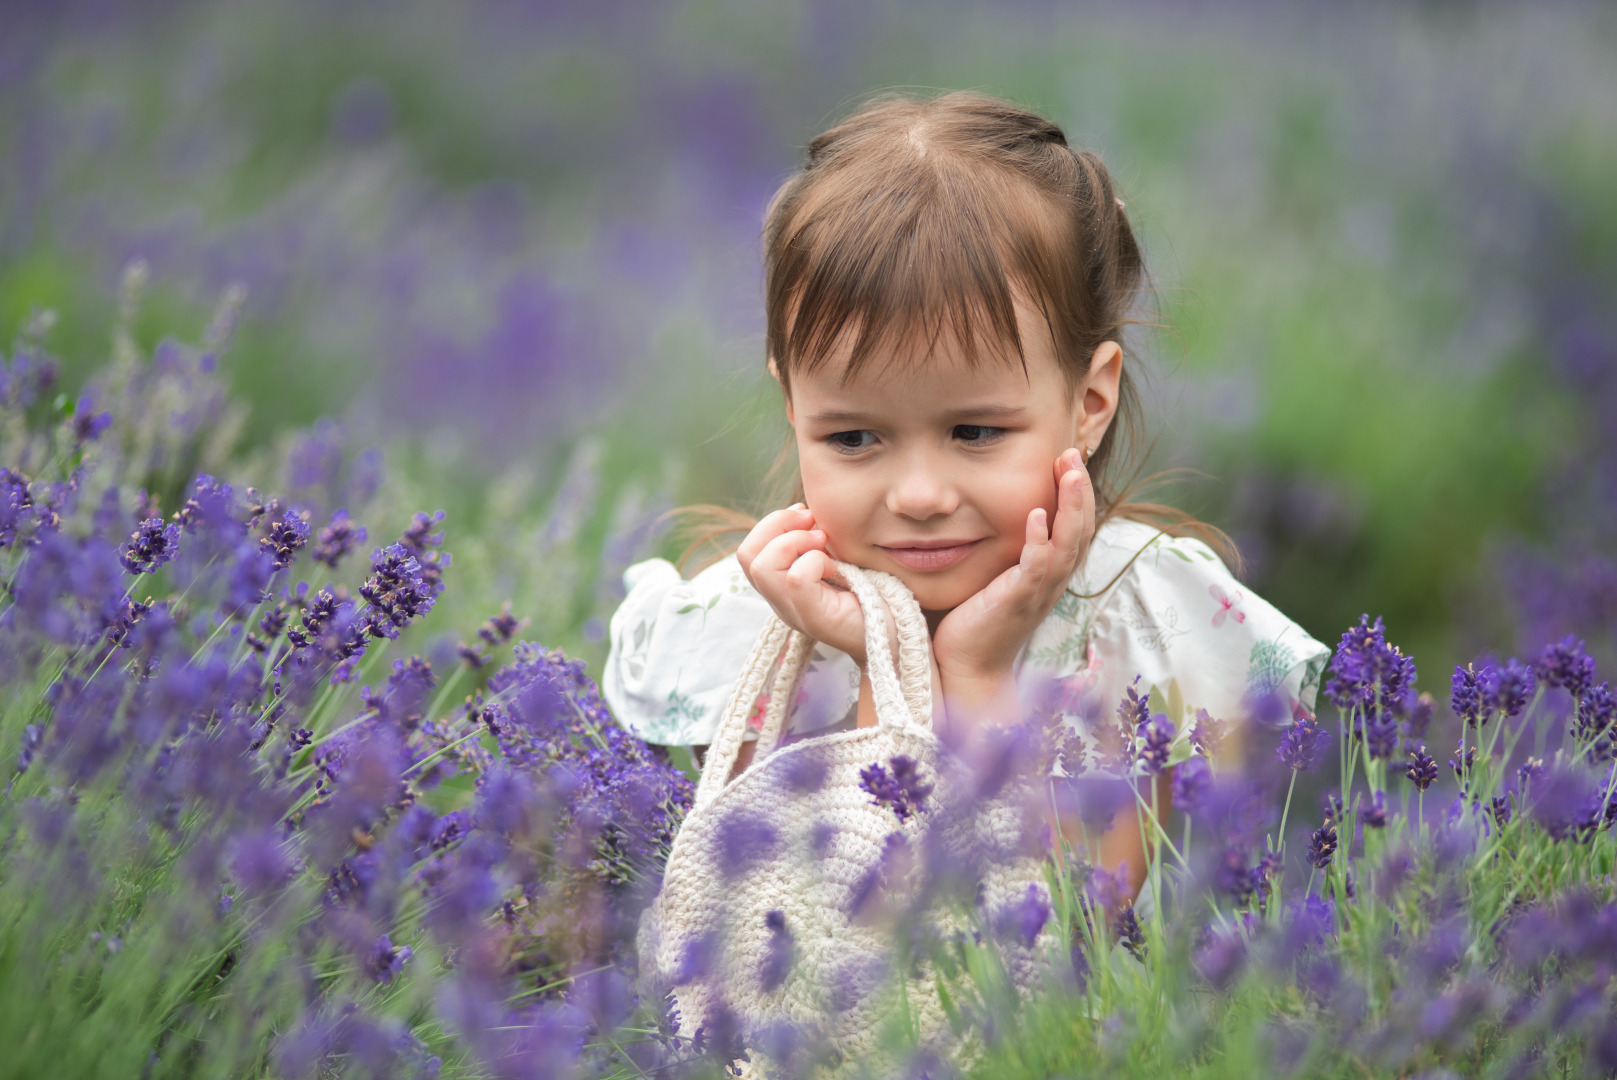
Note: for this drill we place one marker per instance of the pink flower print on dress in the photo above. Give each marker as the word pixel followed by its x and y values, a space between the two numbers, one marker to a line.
pixel 755 719
pixel 1226 605
pixel 1077 688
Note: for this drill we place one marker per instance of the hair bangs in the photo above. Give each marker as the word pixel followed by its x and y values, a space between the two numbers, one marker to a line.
pixel 902 260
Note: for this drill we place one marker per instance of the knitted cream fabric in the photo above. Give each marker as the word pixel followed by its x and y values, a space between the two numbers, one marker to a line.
pixel 796 835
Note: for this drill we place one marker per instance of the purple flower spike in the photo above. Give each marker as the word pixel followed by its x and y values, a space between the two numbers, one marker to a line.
pixel 1511 687
pixel 385 961
pixel 1418 718
pixel 1501 810
pixel 1468 697
pixel 1566 664
pixel 1380 732
pixel 1192 783
pixel 396 590
pixel 1464 766
pixel 1030 915
pixel 1156 737
pixel 1597 709
pixel 284 538
pixel 1322 845
pixel 1367 671
pixel 1568 806
pixel 1126 925
pixel 1421 769
pixel 1303 745
pixel 902 790
pixel 1133 710
pixel 150 546
pixel 1374 813
pixel 1222 959
pixel 337 539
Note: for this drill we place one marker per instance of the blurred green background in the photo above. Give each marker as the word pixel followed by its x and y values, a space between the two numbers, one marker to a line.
pixel 515 246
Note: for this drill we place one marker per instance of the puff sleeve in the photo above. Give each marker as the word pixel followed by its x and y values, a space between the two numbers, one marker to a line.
pixel 676 647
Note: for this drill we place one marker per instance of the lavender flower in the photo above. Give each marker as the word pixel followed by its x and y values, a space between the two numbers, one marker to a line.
pixel 89 425
pixel 1511 687
pixel 1107 888
pixel 1381 733
pixel 1023 920
pixel 385 960
pixel 1597 709
pixel 1221 960
pixel 1155 741
pixel 1469 695
pixel 283 538
pixel 337 539
pixel 150 546
pixel 1566 664
pixel 1322 845
pixel 1240 881
pixel 1207 733
pixel 30 746
pixel 1530 773
pixel 1374 812
pixel 1126 928
pixel 212 503
pixel 1192 783
pixel 1368 672
pixel 1133 710
pixel 1302 745
pixel 1501 810
pixel 902 790
pixel 1418 718
pixel 1421 769
pixel 396 591
pixel 1464 766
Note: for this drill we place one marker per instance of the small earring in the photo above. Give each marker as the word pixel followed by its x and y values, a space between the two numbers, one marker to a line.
pixel 1089 452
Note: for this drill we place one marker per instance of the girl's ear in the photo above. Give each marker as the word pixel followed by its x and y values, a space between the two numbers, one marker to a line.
pixel 1098 393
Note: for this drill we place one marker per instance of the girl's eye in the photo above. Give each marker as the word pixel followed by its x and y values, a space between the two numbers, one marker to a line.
pixel 977 433
pixel 849 441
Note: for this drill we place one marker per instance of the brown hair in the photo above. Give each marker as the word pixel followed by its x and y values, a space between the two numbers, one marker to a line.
pixel 915 219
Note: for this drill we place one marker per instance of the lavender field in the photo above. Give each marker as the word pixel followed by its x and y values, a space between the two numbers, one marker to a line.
pixel 351 352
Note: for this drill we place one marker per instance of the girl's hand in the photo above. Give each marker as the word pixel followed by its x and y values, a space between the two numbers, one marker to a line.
pixel 977 643
pixel 786 560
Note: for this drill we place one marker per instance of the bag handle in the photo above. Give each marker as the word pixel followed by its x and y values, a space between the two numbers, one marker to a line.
pixel 902 693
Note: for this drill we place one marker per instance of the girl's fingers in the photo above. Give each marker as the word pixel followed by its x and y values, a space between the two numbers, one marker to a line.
pixel 783 551
pixel 828 614
pixel 1036 552
pixel 794 517
pixel 1075 509
pixel 808 572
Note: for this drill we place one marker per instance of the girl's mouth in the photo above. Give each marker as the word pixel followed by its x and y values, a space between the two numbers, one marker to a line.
pixel 930 555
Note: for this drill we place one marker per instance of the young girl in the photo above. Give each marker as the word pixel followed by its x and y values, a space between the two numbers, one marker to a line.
pixel 947 285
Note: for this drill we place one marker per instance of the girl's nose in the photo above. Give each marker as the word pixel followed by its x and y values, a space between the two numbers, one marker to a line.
pixel 922 489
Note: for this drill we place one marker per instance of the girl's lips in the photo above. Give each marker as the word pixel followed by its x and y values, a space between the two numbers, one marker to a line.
pixel 930 557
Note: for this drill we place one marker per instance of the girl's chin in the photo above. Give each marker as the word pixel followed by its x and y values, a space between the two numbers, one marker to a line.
pixel 942 592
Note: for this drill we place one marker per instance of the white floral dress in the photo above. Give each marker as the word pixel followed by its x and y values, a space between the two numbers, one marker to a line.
pixel 1144 605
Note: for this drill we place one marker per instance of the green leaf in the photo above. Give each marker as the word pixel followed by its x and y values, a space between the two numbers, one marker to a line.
pixel 688 608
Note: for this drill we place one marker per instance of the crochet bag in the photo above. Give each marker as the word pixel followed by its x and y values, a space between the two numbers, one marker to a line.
pixel 762 930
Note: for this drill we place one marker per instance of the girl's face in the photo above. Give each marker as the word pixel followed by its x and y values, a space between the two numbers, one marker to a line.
pixel 928 470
